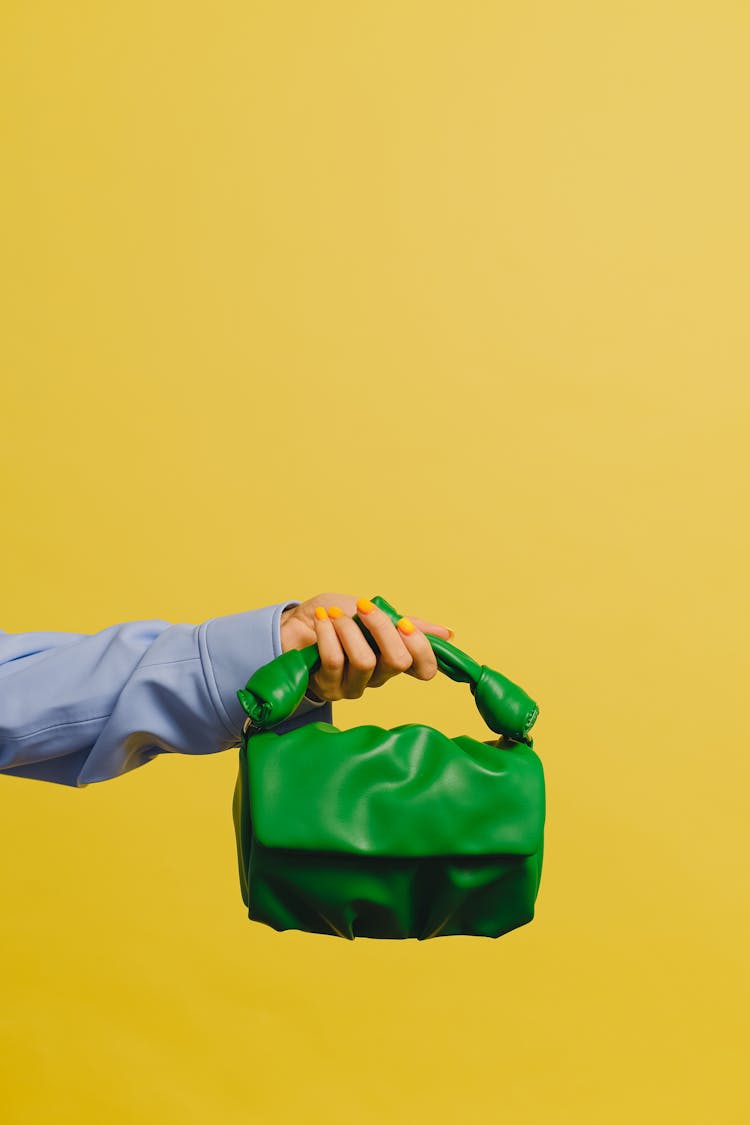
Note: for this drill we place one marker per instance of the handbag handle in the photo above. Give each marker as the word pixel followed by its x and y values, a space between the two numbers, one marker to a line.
pixel 274 691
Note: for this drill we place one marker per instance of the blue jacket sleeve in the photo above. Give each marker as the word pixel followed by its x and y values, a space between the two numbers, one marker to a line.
pixel 78 708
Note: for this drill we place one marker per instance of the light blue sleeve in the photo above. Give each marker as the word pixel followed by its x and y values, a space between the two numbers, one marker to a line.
pixel 77 708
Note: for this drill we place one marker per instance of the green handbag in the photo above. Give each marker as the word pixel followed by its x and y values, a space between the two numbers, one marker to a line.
pixel 402 833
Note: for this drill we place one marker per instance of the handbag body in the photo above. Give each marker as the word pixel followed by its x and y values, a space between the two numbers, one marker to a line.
pixel 388 833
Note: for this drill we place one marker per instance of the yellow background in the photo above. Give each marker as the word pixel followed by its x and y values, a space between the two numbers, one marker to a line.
pixel 446 302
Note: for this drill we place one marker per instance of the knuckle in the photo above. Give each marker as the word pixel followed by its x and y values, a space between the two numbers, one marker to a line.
pixel 428 672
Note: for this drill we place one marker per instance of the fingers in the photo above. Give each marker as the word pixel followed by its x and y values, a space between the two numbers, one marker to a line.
pixel 349 606
pixel 361 660
pixel 430 627
pixel 327 679
pixel 347 662
pixel 403 649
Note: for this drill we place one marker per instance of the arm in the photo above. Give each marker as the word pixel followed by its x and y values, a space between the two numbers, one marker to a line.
pixel 78 708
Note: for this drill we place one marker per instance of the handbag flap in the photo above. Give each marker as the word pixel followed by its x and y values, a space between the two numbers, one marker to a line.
pixel 407 791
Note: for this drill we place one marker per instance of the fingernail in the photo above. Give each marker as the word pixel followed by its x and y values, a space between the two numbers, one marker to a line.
pixel 364 605
pixel 451 634
pixel 334 611
pixel 320 613
pixel 405 625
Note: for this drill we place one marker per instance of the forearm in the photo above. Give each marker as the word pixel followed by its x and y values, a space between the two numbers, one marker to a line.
pixel 76 709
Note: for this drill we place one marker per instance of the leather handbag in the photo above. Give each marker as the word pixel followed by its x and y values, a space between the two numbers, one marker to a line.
pixel 401 833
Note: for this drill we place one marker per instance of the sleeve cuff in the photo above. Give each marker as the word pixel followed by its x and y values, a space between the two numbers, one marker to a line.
pixel 235 646
pixel 231 649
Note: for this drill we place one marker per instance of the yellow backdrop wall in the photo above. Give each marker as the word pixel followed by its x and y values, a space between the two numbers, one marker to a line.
pixel 445 302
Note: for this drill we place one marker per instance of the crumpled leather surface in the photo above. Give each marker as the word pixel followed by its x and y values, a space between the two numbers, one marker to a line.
pixel 383 833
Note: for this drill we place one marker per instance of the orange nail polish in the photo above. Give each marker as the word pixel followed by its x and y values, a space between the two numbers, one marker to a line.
pixel 334 611
pixel 320 613
pixel 405 625
pixel 364 605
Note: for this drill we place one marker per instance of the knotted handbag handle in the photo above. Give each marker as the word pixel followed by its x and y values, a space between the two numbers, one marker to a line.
pixel 274 691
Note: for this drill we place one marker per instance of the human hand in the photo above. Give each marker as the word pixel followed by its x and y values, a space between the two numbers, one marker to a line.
pixel 347 663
